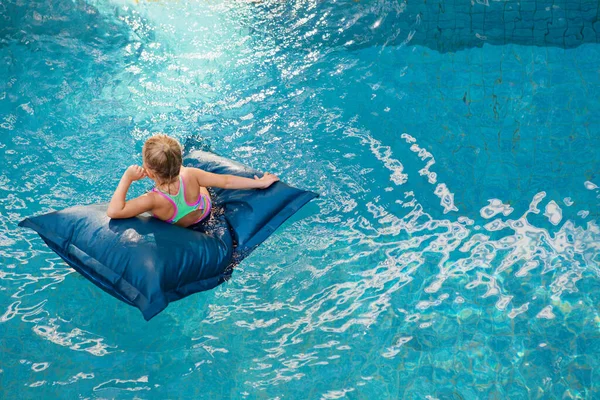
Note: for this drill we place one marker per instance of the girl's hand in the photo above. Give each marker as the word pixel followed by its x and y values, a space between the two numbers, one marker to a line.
pixel 266 180
pixel 135 173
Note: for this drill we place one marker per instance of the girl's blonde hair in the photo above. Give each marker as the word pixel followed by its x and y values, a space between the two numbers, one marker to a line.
pixel 162 154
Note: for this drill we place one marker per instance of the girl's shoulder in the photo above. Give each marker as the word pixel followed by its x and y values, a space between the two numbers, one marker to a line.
pixel 189 172
pixel 152 194
pixel 189 175
pixel 189 169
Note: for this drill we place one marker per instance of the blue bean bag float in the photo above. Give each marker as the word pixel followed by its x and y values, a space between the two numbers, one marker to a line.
pixel 148 263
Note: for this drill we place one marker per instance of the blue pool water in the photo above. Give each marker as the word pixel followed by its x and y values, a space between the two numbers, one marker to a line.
pixel 454 252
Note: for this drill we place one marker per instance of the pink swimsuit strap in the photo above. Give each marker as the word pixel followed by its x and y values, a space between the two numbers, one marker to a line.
pixel 170 220
pixel 203 200
pixel 207 205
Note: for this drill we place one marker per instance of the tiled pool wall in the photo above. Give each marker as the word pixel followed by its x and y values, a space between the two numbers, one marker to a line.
pixel 457 24
pixel 566 23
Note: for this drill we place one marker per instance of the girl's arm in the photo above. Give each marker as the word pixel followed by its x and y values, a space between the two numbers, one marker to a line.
pixel 232 181
pixel 119 207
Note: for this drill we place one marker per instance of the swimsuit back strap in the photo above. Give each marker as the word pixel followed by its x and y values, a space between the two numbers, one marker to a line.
pixel 180 204
pixel 166 196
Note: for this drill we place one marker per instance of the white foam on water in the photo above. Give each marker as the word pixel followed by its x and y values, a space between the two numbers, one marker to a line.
pixel 446 198
pixel 590 185
pixel 494 208
pixel 546 313
pixel 382 153
pixel 553 212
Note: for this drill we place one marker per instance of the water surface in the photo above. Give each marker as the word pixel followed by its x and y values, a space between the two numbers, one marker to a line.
pixel 453 253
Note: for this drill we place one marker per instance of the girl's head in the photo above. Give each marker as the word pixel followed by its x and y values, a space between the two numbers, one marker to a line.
pixel 162 158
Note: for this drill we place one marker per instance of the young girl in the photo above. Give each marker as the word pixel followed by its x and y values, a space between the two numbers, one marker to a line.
pixel 180 196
